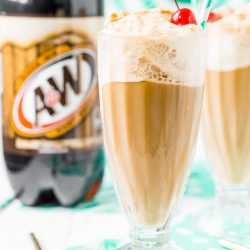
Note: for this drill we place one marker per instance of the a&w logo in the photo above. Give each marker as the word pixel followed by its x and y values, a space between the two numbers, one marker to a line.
pixel 55 93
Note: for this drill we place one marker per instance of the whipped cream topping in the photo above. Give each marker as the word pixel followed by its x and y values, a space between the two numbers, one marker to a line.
pixel 229 39
pixel 146 46
pixel 154 22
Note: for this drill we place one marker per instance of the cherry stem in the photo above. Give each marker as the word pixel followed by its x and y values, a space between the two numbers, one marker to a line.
pixel 177 5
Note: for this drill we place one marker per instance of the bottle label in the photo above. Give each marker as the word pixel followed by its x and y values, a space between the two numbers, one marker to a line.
pixel 60 88
pixel 51 91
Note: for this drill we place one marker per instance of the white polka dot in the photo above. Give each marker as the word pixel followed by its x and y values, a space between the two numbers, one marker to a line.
pixel 184 231
pixel 195 190
pixel 232 233
pixel 199 240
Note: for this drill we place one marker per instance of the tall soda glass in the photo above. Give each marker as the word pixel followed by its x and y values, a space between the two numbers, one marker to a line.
pixel 151 84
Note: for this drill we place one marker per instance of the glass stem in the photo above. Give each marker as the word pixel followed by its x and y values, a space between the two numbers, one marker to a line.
pixel 233 202
pixel 232 195
pixel 149 238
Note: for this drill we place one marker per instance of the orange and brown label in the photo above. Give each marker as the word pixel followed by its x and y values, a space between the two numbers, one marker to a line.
pixel 49 86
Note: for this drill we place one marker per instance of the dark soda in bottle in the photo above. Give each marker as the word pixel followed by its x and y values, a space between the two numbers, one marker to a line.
pixel 52 136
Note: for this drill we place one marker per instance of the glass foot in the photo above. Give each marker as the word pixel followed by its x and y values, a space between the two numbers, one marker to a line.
pixel 225 221
pixel 169 246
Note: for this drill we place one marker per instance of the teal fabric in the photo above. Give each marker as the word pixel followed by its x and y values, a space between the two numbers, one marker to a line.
pixel 200 185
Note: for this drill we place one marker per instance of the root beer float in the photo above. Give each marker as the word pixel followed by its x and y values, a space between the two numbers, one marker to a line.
pixel 226 122
pixel 151 92
pixel 226 116
pixel 51 130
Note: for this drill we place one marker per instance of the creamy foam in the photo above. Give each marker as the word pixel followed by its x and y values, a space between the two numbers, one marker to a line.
pixel 229 39
pixel 147 47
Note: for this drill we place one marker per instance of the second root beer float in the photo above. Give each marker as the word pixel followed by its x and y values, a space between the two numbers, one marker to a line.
pixel 226 107
pixel 51 129
pixel 226 122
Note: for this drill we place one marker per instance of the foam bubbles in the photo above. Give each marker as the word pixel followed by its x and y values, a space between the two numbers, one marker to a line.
pixel 166 60
pixel 149 48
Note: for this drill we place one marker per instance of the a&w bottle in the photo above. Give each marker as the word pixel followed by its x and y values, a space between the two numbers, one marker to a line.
pixel 51 126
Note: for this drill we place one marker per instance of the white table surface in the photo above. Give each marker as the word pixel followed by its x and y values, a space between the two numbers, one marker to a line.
pixel 61 228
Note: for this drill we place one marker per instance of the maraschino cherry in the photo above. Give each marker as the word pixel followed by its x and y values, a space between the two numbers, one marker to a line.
pixel 183 16
pixel 213 17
